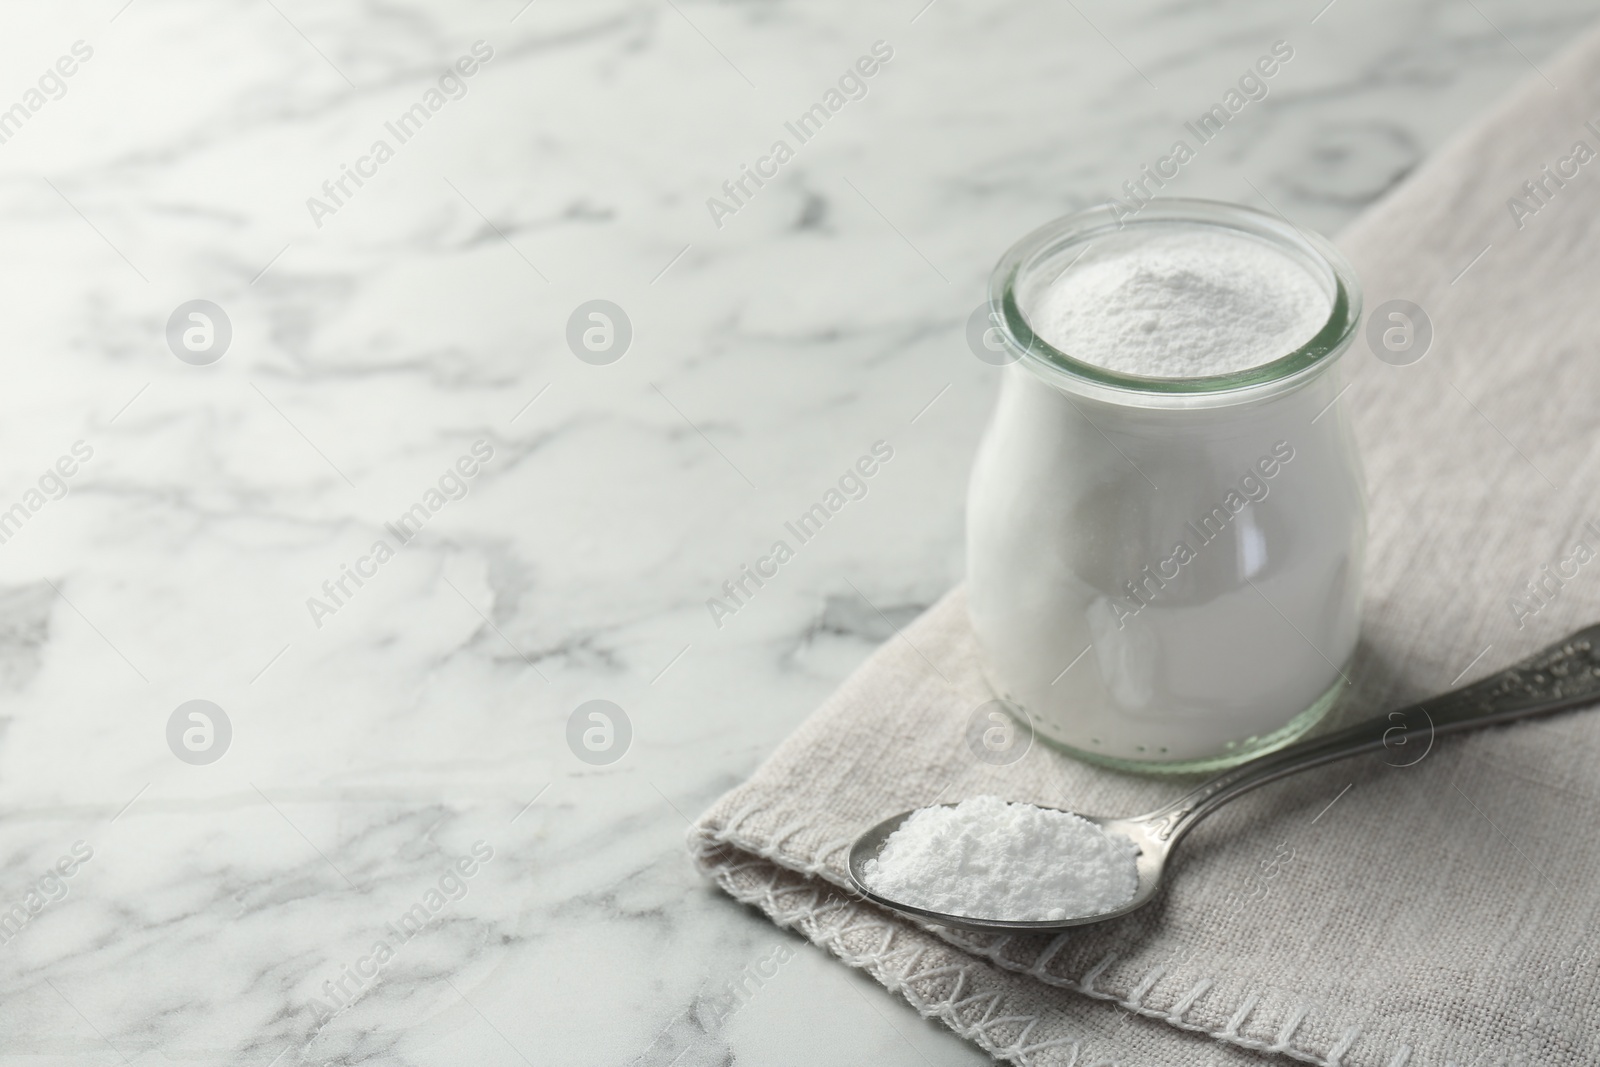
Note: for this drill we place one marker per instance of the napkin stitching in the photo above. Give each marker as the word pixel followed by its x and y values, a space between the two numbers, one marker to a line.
pixel 712 854
pixel 1240 1014
pixel 1281 1043
pixel 1176 1013
pixel 710 848
pixel 1290 1025
pixel 1147 983
pixel 1230 1033
pixel 1336 1054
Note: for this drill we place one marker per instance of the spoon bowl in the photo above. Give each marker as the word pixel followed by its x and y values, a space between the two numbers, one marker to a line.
pixel 1151 860
pixel 1563 676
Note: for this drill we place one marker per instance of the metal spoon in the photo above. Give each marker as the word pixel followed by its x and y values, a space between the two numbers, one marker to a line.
pixel 1565 675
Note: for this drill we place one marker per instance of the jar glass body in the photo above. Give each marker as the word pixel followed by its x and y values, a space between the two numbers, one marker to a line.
pixel 1166 575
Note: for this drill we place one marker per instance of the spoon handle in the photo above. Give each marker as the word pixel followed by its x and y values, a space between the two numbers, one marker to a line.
pixel 1564 675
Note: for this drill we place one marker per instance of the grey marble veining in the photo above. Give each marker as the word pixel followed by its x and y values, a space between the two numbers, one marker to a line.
pixel 226 910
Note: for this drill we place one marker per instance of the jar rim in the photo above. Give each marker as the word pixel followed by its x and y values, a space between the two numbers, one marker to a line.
pixel 1082 227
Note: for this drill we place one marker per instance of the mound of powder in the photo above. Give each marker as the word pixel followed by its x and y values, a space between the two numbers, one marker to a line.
pixel 1167 302
pixel 990 859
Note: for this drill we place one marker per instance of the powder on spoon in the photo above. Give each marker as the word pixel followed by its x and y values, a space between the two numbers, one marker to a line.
pixel 1173 302
pixel 989 859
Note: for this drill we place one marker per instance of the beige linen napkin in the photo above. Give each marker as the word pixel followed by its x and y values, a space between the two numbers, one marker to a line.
pixel 1365 914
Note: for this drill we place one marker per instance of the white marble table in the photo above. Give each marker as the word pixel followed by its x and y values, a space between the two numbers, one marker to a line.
pixel 382 731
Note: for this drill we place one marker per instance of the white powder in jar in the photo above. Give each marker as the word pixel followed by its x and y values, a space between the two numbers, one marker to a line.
pixel 1171 302
pixel 989 859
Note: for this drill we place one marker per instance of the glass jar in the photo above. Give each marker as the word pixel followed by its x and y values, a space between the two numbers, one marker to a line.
pixel 1165 573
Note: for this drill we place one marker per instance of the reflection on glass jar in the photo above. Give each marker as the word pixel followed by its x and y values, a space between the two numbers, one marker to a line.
pixel 1165 572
